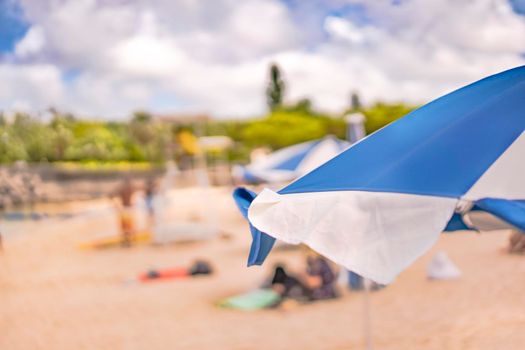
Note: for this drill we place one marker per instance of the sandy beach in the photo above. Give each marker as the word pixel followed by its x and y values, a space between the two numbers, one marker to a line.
pixel 55 296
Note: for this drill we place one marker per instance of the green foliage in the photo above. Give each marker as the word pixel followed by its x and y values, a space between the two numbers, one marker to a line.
pixel 275 90
pixel 289 125
pixel 142 134
pixel 303 106
pixel 284 128
pixel 355 102
pixel 61 140
pixel 142 117
pixel 381 114
pixel 11 148
pixel 94 141
pixel 143 139
pixel 270 131
pixel 35 137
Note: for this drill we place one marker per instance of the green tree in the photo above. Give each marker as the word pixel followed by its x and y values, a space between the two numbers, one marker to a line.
pixel 141 128
pixel 355 102
pixel 142 117
pixel 303 106
pixel 381 114
pixel 99 141
pixel 282 128
pixel 11 149
pixel 275 89
pixel 62 135
pixel 62 139
pixel 35 137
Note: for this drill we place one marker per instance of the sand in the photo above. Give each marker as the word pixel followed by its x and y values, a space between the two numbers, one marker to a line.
pixel 55 296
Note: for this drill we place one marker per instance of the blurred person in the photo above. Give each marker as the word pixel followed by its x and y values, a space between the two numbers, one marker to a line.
pixel 125 195
pixel 198 268
pixel 288 286
pixel 321 279
pixel 150 188
pixel 318 283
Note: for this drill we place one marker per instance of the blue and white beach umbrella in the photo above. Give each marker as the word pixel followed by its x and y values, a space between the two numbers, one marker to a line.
pixel 289 163
pixel 382 203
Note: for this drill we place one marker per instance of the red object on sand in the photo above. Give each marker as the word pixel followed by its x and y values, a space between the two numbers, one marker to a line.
pixel 166 274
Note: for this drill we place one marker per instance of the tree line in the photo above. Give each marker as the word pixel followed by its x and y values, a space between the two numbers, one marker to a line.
pixel 142 138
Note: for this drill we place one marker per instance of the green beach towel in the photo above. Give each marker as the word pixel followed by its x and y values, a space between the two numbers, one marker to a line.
pixel 254 300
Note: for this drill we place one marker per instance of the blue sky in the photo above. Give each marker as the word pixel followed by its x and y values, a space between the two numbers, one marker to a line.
pixel 518 6
pixel 12 25
pixel 106 58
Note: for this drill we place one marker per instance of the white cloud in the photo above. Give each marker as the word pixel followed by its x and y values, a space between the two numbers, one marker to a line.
pixel 214 56
pixel 261 27
pixel 35 86
pixel 32 43
pixel 147 53
pixel 339 28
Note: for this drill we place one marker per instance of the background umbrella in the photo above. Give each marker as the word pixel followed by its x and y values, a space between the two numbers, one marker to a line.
pixel 291 162
pixel 383 202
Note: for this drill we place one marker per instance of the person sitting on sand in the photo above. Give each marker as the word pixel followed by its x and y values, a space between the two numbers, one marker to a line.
pixel 321 279
pixel 288 286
